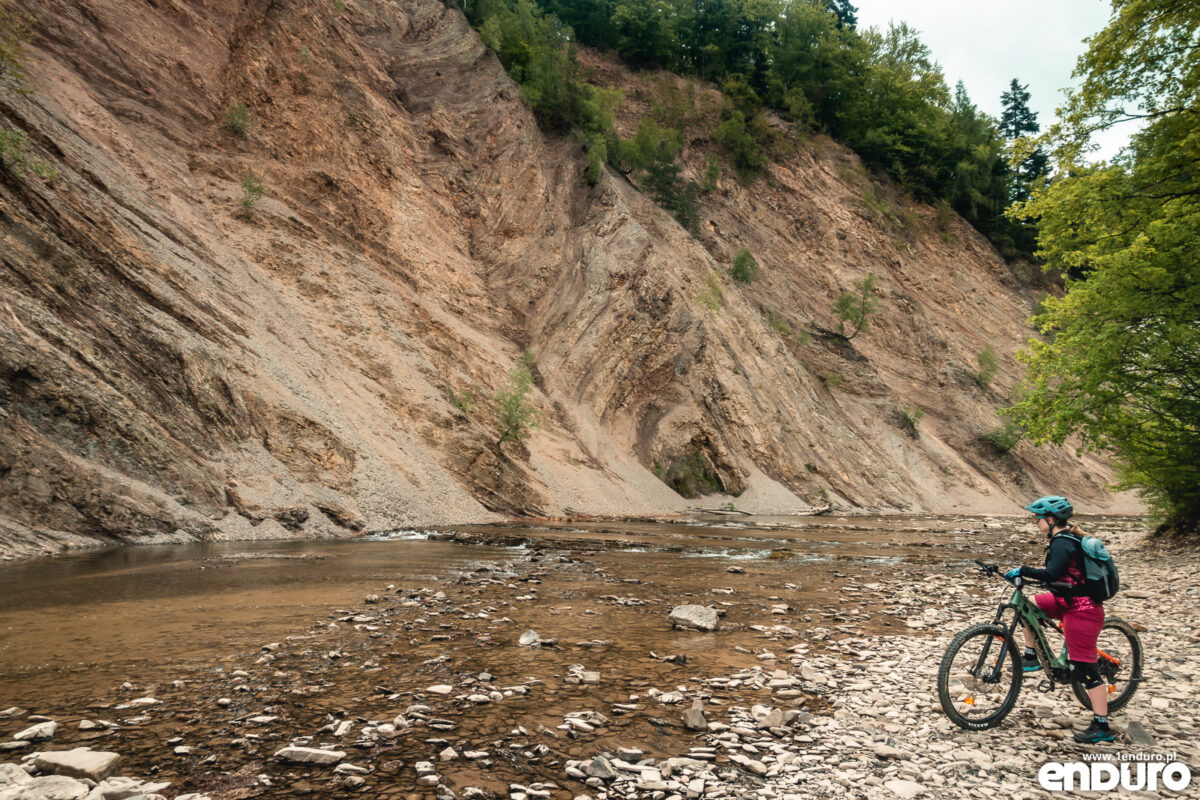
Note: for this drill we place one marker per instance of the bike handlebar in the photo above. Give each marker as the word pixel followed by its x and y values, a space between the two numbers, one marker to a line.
pixel 994 571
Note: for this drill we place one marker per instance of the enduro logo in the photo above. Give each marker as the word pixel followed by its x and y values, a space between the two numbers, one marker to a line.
pixel 1135 772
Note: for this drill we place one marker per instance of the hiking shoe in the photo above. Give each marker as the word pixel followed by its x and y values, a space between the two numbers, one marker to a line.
pixel 1030 663
pixel 1095 734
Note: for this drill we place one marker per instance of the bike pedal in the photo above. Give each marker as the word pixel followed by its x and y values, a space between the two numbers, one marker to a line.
pixel 1045 687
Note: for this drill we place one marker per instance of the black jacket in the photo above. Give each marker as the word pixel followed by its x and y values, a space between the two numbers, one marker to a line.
pixel 1061 551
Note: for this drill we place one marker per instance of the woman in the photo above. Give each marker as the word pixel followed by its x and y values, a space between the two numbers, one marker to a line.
pixel 1082 617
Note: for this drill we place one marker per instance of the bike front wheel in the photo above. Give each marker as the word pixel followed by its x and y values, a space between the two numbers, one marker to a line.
pixel 980 677
pixel 1120 664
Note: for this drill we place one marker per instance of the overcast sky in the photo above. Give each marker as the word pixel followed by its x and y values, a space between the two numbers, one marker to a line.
pixel 986 45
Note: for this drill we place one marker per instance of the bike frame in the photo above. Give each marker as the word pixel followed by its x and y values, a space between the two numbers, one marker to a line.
pixel 1026 611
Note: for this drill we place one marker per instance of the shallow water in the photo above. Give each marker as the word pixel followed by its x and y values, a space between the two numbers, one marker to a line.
pixel 177 621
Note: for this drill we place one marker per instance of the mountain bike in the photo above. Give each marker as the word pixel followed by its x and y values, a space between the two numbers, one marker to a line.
pixel 981 673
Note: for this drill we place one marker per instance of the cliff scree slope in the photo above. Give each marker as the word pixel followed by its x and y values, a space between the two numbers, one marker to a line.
pixel 172 367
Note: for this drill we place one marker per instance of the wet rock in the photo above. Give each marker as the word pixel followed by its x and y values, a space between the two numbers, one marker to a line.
pixel 309 755
pixel 37 733
pixel 123 788
pixel 695 617
pixel 81 762
pixel 350 769
pixel 693 718
pixel 600 767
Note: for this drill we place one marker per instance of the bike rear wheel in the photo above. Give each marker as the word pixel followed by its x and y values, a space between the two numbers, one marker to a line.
pixel 1120 664
pixel 980 677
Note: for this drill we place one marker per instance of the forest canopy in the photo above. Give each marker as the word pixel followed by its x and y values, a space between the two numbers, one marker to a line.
pixel 879 92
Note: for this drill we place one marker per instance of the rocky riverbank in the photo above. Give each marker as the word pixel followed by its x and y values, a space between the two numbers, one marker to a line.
pixel 557 674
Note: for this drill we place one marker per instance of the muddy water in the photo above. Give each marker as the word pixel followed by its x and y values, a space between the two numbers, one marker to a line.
pixel 187 626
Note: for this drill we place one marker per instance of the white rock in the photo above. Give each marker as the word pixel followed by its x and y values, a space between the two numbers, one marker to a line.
pixel 37 733
pixel 81 762
pixel 309 755
pixel 441 689
pixel 694 616
pixel 905 789
pixel 528 639
pixel 52 787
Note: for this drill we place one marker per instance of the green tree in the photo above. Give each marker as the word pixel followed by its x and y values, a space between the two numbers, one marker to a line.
pixel 847 15
pixel 1121 362
pixel 514 412
pixel 744 268
pixel 855 308
pixel 1018 121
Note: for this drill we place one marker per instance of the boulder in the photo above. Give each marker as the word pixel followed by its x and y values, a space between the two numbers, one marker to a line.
pixel 81 762
pixel 693 616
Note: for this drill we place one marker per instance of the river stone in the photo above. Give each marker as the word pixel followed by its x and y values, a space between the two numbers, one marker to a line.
pixel 1139 735
pixel 81 762
pixel 767 717
pixel 310 755
pixel 600 767
pixel 38 733
pixel 124 788
pixel 884 751
pixel 12 775
pixel 693 616
pixel 905 789
pixel 52 787
pixel 693 718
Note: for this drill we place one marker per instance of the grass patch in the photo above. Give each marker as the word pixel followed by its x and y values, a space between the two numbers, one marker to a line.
pixel 909 420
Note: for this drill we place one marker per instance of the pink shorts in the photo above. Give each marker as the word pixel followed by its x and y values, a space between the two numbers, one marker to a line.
pixel 1082 620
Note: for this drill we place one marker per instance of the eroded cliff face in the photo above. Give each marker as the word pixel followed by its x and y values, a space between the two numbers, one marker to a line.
pixel 173 368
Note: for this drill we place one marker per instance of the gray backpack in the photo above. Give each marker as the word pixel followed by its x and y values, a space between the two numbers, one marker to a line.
pixel 1099 570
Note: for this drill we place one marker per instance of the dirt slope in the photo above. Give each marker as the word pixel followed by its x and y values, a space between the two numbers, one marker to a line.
pixel 172 368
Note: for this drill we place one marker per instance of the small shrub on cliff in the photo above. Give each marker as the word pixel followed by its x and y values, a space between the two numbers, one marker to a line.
pixel 252 192
pixel 237 118
pixel 1004 438
pixel 15 158
pixel 988 366
pixel 833 380
pixel 15 36
pixel 514 412
pixel 854 308
pixel 909 419
pixel 712 295
pixel 745 268
pixel 464 401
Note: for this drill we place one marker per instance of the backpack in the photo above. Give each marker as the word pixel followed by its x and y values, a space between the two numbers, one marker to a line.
pixel 1099 570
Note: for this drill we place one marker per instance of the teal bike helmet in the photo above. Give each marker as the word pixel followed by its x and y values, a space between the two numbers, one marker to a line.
pixel 1060 507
